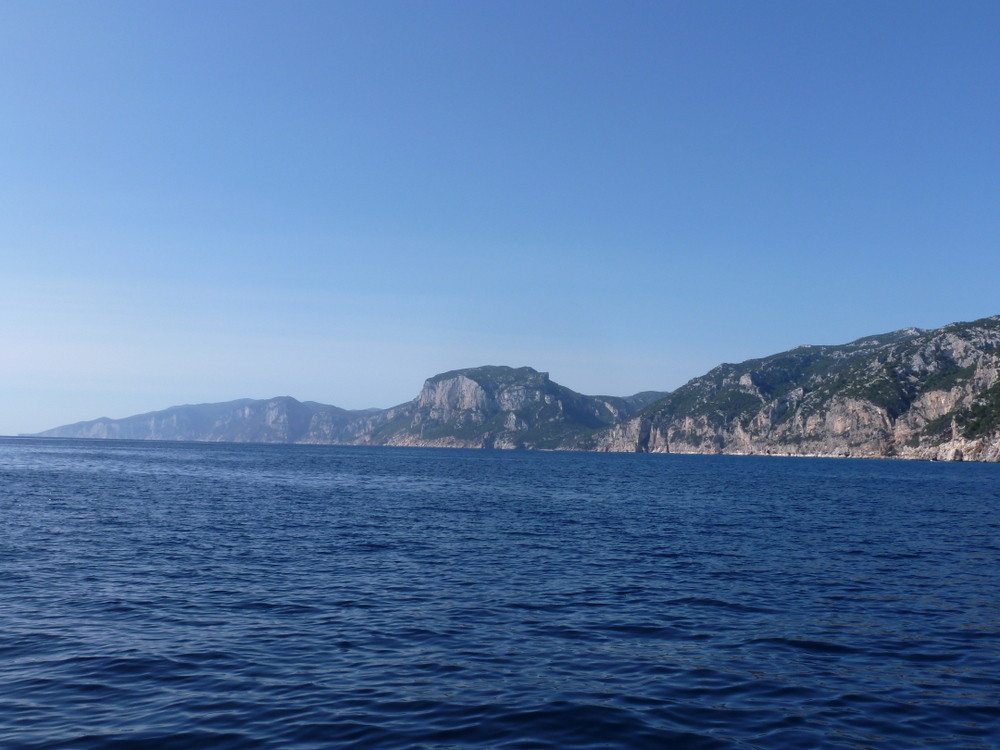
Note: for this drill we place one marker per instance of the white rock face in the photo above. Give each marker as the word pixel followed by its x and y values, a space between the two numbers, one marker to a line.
pixel 485 407
pixel 631 436
pixel 909 394
pixel 488 407
pixel 444 398
pixel 894 399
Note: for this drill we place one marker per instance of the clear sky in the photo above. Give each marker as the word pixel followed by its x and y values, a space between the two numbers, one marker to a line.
pixel 203 201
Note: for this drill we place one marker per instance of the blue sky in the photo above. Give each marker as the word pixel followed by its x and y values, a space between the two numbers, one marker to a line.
pixel 203 201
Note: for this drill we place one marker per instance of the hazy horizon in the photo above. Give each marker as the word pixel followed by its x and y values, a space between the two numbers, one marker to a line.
pixel 213 201
pixel 398 403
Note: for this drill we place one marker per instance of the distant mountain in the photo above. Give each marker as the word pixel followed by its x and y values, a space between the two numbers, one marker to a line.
pixel 479 407
pixel 910 393
pixel 276 420
pixel 497 407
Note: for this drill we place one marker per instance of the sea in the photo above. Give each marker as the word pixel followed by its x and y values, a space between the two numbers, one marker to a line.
pixel 192 595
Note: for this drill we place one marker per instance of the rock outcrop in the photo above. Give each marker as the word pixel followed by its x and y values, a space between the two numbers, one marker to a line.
pixel 911 394
pixel 497 407
pixel 480 407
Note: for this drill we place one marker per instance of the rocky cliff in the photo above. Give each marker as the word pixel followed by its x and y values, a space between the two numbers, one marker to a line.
pixel 480 407
pixel 911 393
pixel 497 407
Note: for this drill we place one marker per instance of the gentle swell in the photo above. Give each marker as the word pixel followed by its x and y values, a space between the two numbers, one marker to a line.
pixel 220 596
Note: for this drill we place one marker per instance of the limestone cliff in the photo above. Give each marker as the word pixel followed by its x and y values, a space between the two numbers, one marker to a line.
pixel 496 407
pixel 480 407
pixel 911 393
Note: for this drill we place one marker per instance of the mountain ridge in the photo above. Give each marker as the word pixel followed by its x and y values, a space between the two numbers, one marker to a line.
pixel 489 406
pixel 910 393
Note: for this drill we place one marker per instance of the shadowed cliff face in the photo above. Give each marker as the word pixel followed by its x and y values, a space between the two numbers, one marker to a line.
pixel 911 393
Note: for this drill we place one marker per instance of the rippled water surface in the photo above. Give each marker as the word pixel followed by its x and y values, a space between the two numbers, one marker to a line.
pixel 191 595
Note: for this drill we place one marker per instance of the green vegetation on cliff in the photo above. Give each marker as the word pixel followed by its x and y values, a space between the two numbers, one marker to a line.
pixel 897 393
pixel 876 394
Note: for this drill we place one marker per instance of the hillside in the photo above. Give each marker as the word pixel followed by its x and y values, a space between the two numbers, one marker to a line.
pixel 276 420
pixel 480 407
pixel 911 393
pixel 497 407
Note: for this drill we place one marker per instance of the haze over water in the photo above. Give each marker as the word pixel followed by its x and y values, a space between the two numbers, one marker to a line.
pixel 186 595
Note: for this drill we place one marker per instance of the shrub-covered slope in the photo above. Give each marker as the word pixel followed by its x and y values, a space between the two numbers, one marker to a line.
pixel 497 407
pixel 479 407
pixel 911 393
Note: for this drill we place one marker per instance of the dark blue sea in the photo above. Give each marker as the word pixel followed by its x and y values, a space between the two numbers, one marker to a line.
pixel 175 595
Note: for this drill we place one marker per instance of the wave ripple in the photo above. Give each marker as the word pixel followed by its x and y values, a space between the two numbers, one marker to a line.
pixel 185 596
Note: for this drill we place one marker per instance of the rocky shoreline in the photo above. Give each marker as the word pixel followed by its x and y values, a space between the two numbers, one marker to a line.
pixel 911 394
